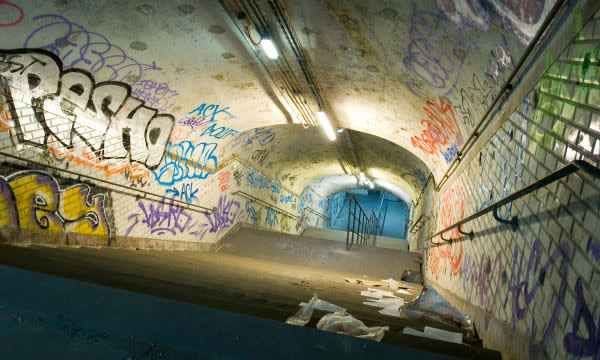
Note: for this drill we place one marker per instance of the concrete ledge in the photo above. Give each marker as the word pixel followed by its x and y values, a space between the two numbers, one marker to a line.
pixel 18 236
pixel 494 333
pixel 158 244
pixel 11 235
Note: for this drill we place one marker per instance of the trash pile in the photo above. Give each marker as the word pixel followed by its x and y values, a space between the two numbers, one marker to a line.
pixel 339 321
pixel 428 306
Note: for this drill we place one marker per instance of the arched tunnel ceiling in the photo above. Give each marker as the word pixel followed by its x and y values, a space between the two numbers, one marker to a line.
pixel 419 74
pixel 380 62
pixel 296 156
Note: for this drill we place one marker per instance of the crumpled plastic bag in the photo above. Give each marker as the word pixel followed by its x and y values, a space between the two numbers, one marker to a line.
pixel 302 317
pixel 431 306
pixel 346 324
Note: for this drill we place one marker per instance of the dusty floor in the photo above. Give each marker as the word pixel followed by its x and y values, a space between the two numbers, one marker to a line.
pixel 244 285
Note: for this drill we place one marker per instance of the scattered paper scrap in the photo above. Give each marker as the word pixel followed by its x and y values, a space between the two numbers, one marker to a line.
pixel 437 334
pixel 403 292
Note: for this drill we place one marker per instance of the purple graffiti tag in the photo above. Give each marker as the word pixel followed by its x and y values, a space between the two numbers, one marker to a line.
pixel 194 121
pixel 225 215
pixel 154 94
pixel 593 248
pixel 434 65
pixel 85 49
pixel 574 344
pixel 160 220
pixel 518 287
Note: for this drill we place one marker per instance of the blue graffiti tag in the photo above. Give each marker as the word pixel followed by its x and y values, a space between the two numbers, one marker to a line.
pixel 286 199
pixel 271 218
pixel 202 109
pixel 260 182
pixel 258 135
pixel 187 193
pixel 421 176
pixel 220 132
pixel 187 161
pixel 251 213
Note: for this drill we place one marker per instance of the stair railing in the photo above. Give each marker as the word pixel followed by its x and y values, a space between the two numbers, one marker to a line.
pixel 566 170
pixel 361 227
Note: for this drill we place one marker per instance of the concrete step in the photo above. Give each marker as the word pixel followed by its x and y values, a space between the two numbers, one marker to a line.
pixel 338 235
pixel 320 254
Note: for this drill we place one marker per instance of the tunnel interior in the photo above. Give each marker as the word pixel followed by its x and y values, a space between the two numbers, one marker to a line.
pixel 201 155
pixel 393 213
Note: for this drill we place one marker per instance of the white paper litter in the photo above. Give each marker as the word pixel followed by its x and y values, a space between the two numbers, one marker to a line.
pixel 391 306
pixel 437 334
pixel 383 292
pixel 403 292
pixel 392 284
pixel 390 312
pixel 325 306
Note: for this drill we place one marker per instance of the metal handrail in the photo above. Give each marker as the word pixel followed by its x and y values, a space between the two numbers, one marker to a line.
pixel 566 170
pixel 129 189
pixel 366 228
pixel 316 213
pixel 254 198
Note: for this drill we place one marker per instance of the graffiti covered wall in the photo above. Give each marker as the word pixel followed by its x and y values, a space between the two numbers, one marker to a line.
pixel 542 279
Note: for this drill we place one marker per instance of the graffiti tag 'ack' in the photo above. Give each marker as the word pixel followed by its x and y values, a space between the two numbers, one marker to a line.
pixel 71 114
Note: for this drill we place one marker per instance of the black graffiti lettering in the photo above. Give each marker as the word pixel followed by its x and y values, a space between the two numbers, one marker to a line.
pixel 68 105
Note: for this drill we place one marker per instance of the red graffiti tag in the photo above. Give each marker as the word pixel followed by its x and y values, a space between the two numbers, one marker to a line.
pixel 441 129
pixel 451 210
pixel 17 7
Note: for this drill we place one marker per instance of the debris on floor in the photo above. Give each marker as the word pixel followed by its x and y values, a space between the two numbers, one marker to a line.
pixel 437 334
pixel 325 306
pixel 346 324
pixel 392 284
pixel 412 276
pixel 302 317
pixel 363 282
pixel 402 291
pixel 376 293
pixel 390 305
pixel 431 306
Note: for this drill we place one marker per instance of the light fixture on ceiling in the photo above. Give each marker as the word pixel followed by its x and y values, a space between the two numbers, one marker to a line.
pixel 324 120
pixel 340 130
pixel 268 46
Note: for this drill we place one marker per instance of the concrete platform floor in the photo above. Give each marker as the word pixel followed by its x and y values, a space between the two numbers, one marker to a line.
pixel 249 286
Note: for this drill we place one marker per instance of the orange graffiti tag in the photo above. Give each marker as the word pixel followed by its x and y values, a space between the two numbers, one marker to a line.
pixel 224 178
pixel 451 209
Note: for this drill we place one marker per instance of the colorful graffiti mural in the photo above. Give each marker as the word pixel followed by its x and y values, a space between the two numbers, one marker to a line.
pixel 35 200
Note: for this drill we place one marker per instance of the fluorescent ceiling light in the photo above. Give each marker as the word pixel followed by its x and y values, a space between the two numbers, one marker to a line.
pixel 340 130
pixel 324 120
pixel 269 48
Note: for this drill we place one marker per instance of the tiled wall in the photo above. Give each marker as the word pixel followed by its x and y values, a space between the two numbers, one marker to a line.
pixel 542 280
pixel 61 178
